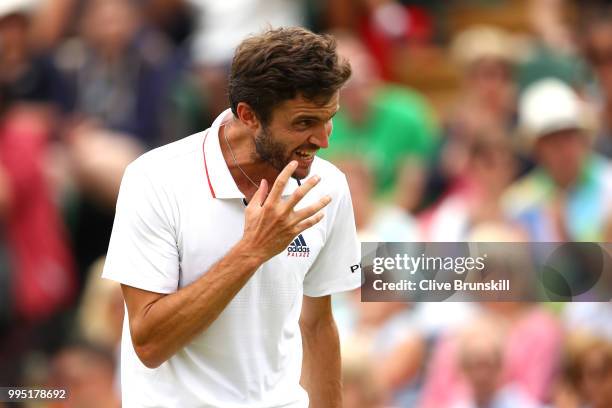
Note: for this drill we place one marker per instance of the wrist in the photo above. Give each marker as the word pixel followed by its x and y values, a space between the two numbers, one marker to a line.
pixel 249 254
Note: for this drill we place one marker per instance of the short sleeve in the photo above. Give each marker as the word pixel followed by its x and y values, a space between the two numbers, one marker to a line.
pixel 142 252
pixel 337 267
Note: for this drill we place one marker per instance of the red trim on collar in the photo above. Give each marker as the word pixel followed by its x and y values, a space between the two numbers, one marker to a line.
pixel 212 191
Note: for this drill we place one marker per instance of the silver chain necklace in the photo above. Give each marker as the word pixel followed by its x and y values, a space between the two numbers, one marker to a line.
pixel 234 157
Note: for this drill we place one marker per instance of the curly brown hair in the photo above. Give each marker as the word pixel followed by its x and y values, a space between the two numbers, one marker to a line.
pixel 281 64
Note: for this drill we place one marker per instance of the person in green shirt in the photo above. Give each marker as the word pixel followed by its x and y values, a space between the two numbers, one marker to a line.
pixel 387 125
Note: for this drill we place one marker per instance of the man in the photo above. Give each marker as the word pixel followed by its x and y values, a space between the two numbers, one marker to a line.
pixel 567 196
pixel 226 272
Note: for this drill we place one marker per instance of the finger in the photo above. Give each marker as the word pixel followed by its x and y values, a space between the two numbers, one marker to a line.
pixel 260 195
pixel 309 222
pixel 281 181
pixel 301 191
pixel 312 209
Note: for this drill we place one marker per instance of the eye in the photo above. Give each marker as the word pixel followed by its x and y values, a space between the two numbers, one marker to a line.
pixel 304 123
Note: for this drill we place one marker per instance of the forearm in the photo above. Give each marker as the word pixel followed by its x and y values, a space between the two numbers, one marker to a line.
pixel 166 325
pixel 321 365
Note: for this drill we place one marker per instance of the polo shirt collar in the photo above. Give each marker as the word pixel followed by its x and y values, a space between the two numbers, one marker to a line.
pixel 218 176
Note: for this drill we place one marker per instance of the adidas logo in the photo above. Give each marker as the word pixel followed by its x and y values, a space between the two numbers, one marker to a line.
pixel 298 247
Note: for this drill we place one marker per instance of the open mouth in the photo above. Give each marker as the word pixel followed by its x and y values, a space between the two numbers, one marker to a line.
pixel 305 154
pixel 305 157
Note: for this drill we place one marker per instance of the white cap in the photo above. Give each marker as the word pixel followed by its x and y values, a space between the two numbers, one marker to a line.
pixel 549 106
pixel 8 7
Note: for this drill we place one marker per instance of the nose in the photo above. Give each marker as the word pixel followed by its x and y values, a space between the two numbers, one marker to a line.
pixel 321 135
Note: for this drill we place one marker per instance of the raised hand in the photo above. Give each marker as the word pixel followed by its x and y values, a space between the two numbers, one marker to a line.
pixel 272 223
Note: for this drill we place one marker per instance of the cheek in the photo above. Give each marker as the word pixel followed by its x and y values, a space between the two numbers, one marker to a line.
pixel 572 151
pixel 284 139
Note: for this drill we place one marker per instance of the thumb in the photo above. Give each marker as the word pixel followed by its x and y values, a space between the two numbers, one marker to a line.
pixel 260 195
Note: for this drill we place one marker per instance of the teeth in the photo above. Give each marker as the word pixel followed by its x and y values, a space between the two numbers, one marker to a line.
pixel 304 154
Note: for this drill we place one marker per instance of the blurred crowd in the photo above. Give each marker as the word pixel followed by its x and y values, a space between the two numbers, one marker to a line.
pixel 473 120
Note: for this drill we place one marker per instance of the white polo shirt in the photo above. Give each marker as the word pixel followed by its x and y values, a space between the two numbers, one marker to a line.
pixel 179 211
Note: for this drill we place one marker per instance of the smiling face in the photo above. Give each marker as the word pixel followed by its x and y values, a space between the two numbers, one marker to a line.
pixel 297 129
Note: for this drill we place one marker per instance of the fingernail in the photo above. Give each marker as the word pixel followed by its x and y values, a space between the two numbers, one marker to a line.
pixel 328 199
pixel 317 178
pixel 294 163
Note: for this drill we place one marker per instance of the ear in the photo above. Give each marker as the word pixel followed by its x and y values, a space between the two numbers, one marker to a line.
pixel 247 116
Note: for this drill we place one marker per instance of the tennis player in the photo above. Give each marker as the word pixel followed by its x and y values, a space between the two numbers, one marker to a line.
pixel 228 243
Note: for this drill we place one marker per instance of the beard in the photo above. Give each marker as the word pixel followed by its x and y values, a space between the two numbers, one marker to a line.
pixel 271 151
pixel 277 154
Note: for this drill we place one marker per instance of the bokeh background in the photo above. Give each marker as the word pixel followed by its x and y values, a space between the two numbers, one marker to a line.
pixel 483 120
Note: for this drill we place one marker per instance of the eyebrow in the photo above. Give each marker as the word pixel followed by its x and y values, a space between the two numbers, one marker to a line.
pixel 310 117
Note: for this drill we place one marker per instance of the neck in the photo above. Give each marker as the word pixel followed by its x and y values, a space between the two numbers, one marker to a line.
pixel 484 397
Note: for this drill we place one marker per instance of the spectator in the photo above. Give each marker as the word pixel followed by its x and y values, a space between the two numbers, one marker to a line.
pixel 24 75
pixel 485 104
pixel 96 158
pixel 360 387
pixel 387 125
pixel 567 196
pixel 527 330
pixel 41 279
pixel 35 233
pixel 598 52
pixel 588 369
pixel 113 72
pixel 481 360
pixel 112 82
pixel 475 197
pixel 387 334
pixel 87 373
pixel 551 51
